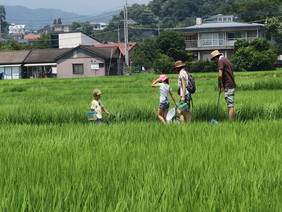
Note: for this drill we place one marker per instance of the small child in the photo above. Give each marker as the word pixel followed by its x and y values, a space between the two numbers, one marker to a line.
pixel 97 106
pixel 163 83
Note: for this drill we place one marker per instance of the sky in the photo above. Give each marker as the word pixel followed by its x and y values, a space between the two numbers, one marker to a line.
pixel 82 7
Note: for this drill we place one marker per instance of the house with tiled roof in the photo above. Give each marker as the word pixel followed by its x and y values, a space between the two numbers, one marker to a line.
pixel 89 61
pixel 81 61
pixel 218 32
pixel 12 63
pixel 41 62
pixel 31 37
pixel 121 46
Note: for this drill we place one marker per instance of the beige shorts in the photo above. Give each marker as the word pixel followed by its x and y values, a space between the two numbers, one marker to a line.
pixel 229 94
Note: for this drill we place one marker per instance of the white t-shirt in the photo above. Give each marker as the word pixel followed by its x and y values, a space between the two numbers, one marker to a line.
pixel 97 106
pixel 182 75
pixel 164 90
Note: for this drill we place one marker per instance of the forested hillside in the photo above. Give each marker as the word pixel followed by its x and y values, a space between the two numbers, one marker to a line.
pixel 160 14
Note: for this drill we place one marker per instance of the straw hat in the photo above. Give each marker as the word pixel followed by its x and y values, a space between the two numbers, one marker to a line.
pixel 97 92
pixel 214 54
pixel 179 64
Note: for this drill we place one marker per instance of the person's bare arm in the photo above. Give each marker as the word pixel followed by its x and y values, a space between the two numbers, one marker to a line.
pixel 155 83
pixel 220 85
pixel 183 87
pixel 107 112
pixel 172 96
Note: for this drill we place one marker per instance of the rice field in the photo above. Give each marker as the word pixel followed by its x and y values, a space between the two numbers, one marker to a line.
pixel 53 159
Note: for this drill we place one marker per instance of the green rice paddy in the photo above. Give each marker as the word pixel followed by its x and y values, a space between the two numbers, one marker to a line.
pixel 53 159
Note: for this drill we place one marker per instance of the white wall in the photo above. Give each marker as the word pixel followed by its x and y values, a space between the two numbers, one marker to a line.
pixel 72 40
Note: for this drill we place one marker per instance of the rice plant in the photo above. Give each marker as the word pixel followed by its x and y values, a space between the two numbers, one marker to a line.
pixel 53 159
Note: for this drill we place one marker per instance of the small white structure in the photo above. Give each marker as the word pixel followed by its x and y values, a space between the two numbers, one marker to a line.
pixel 99 26
pixel 14 29
pixel 74 39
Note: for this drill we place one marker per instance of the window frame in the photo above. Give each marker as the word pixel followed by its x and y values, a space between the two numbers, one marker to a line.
pixel 78 65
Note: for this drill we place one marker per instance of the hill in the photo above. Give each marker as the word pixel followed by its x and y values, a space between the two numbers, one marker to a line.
pixel 38 18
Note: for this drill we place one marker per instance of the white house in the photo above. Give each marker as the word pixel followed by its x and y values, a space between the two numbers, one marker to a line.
pixel 98 26
pixel 14 29
pixel 218 32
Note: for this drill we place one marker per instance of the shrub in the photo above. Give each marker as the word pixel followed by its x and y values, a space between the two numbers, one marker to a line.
pixel 163 64
pixel 202 66
pixel 259 55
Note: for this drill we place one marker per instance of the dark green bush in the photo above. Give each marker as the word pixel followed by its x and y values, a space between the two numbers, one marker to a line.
pixel 164 65
pixel 202 66
pixel 259 55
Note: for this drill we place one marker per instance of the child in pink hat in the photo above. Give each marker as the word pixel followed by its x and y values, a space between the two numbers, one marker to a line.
pixel 165 89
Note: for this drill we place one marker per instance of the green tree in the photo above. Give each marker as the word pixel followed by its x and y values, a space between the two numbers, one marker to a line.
pixel 240 43
pixel 11 45
pixel 76 26
pixel 55 21
pixel 145 54
pixel 252 9
pixel 274 31
pixel 2 13
pixel 172 44
pixel 42 43
pixel 86 28
pixel 4 24
pixel 59 21
pixel 259 55
pixel 164 64
pixel 141 14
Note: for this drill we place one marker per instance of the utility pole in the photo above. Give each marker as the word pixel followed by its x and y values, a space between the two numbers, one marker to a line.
pixel 0 28
pixel 118 35
pixel 126 35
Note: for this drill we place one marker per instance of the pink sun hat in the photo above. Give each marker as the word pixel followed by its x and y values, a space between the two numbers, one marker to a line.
pixel 163 77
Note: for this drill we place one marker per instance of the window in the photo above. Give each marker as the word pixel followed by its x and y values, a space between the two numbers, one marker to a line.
pixel 77 69
pixel 15 73
pixel 212 39
pixel 236 35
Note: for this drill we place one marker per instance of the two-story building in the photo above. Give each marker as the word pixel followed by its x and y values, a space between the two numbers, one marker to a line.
pixel 61 28
pixel 71 40
pixel 16 29
pixel 218 32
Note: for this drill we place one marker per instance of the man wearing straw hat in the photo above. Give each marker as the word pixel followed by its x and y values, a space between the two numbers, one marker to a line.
pixel 226 80
pixel 185 97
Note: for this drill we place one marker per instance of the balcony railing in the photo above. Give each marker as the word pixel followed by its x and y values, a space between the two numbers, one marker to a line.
pixel 212 42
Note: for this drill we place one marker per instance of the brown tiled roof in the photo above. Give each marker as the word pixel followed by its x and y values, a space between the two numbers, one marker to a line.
pixel 121 46
pixel 13 57
pixel 44 55
pixel 32 37
pixel 104 52
pixel 101 52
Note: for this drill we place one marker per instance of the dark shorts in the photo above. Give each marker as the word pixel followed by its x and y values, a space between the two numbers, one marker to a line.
pixel 185 106
pixel 164 105
pixel 99 121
